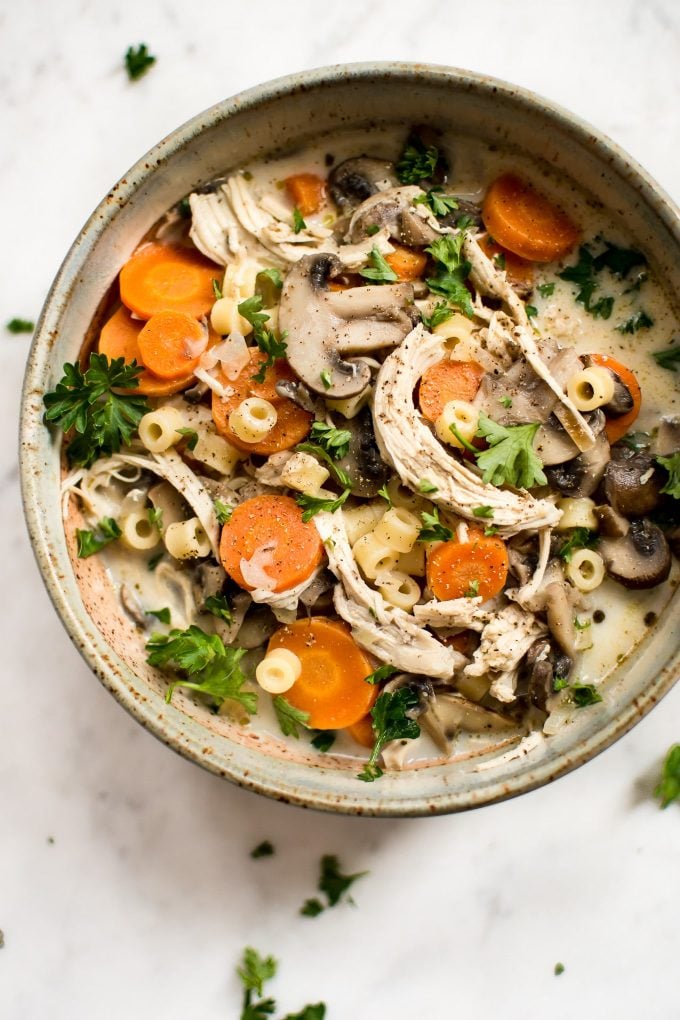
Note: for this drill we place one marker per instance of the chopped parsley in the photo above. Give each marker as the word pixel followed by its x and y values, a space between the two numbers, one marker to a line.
pixel 619 261
pixel 223 511
pixel 426 487
pixel 491 530
pixel 380 270
pixel 154 515
pixel 20 326
pixel 637 440
pixel 298 221
pixel 254 971
pixel 668 787
pixel 505 401
pixel 672 466
pixel 385 495
pixel 417 163
pixel 312 505
pixel 218 606
pixel 289 718
pixel 152 563
pixel 531 311
pixel 483 511
pixel 546 289
pixel 318 451
pixel 268 284
pixel 90 542
pixel 452 271
pixel 102 421
pixel 440 313
pixel 138 61
pixel 191 437
pixel 583 275
pixel 511 458
pixel 333 884
pixel 324 740
pixel 392 720
pixel 668 358
pixel 251 310
pixel 372 229
pixel 584 695
pixel 161 614
pixel 559 969
pixel 263 849
pixel 580 538
pixel 641 320
pixel 312 908
pixel 334 441
pixel 437 202
pixel 433 530
pixel 325 377
pixel 472 590
pixel 380 674
pixel 217 290
pixel 210 668
pixel 499 260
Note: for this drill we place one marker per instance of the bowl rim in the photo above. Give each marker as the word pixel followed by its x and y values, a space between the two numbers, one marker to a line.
pixel 54 563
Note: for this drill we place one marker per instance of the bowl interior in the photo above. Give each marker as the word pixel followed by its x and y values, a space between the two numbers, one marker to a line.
pixel 284 115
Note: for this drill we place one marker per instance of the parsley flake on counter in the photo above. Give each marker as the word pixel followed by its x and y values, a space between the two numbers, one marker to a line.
pixel 511 458
pixel 668 787
pixel 223 511
pixel 452 272
pixel 391 721
pixel 672 466
pixel 380 270
pixel 254 972
pixel 641 320
pixel 210 668
pixel 433 530
pixel 583 275
pixel 668 358
pixel 437 202
pixel 546 289
pixel 138 61
pixel 102 421
pixel 263 849
pixel 312 505
pixel 317 1011
pixel 417 163
pixel 289 718
pixel 380 674
pixel 333 884
pixel 559 969
pixel 20 326
pixel 298 221
pixel 312 908
pixel 218 606
pixel 163 615
pixel 440 313
pixel 90 542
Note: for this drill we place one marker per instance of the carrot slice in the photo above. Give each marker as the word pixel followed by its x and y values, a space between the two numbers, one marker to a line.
pixel 171 344
pixel 292 423
pixel 331 686
pixel 119 339
pixel 518 270
pixel 476 567
pixel 276 521
pixel 445 381
pixel 362 731
pixel 616 428
pixel 306 192
pixel 525 222
pixel 165 277
pixel 407 263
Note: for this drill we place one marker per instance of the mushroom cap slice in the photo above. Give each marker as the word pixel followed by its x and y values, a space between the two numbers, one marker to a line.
pixel 395 209
pixel 323 325
pixel 363 463
pixel 582 475
pixel 354 180
pixel 640 559
pixel 632 485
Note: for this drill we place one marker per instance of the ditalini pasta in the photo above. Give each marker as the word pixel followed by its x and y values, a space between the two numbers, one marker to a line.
pixel 387 448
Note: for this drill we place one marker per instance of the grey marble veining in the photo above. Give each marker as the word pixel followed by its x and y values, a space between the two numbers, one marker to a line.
pixel 126 889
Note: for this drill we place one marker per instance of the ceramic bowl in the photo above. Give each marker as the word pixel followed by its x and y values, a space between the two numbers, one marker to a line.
pixel 287 112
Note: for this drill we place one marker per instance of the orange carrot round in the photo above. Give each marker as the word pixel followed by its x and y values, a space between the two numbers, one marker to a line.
pixel 275 521
pixel 331 686
pixel 518 270
pixel 306 192
pixel 292 424
pixel 407 263
pixel 616 428
pixel 476 567
pixel 525 222
pixel 165 277
pixel 362 731
pixel 119 339
pixel 445 381
pixel 171 344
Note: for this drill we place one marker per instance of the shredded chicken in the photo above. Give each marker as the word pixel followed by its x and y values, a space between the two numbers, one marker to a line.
pixel 415 452
pixel 506 639
pixel 284 604
pixel 466 613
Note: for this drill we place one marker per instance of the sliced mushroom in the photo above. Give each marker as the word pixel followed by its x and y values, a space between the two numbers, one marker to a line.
pixel 294 390
pixel 257 627
pixel 582 475
pixel 324 325
pixel 542 665
pixel 132 606
pixel 612 523
pixel 395 210
pixel 354 180
pixel 622 401
pixel 559 610
pixel 527 396
pixel 471 210
pixel 632 484
pixel 449 713
pixel 363 463
pixel 667 440
pixel 641 559
pixel 553 444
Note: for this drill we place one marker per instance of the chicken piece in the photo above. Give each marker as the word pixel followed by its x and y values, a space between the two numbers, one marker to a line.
pixel 505 641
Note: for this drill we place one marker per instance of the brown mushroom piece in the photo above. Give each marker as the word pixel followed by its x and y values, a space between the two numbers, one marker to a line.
pixel 449 712
pixel 363 463
pixel 394 210
pixel 553 444
pixel 640 559
pixel 632 484
pixel 541 667
pixel 324 326
pixel 582 475
pixel 354 180
pixel 612 523
pixel 667 439
pixel 622 401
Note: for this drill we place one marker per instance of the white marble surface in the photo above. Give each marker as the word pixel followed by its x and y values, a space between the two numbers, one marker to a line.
pixel 126 889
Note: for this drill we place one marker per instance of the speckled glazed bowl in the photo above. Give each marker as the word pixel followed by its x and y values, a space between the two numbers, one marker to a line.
pixel 285 113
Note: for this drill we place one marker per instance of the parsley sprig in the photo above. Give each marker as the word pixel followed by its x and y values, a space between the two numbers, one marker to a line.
pixel 289 718
pixel 138 60
pixel 452 271
pixel 672 466
pixel 210 668
pixel 511 458
pixel 380 271
pixel 440 313
pixel 266 340
pixel 668 358
pixel 102 420
pixel 437 202
pixel 312 505
pixel 417 163
pixel 90 542
pixel 393 719
pixel 580 538
pixel 254 972
pixel 433 530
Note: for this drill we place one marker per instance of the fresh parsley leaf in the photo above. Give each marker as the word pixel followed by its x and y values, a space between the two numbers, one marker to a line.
pixel 314 504
pixel 298 222
pixel 263 849
pixel 184 208
pixel 433 530
pixel 531 311
pixel 251 310
pixel 90 542
pixel 312 908
pixel 102 421
pixel 385 495
pixel 506 401
pixel 582 624
pixel 153 562
pixel 324 740
pixel 223 511
pixel 546 289
pixel 672 466
pixel 482 511
pixel 218 605
pixel 154 515
pixel 138 61
pixel 492 530
pixel 583 275
pixel 381 271
pixel 289 717
pixel 391 721
pixel 580 538
pixel 211 668
pixel 161 614
pixel 426 487
pixel 334 441
pixel 325 377
pixel 641 320
pixel 637 440
pixel 268 284
pixel 317 1011
pixel 619 261
pixel 584 695
pixel 20 326
pixel 559 683
pixel 372 229
pixel 417 163
pixel 332 883
pixel 254 972
pixel 452 272
pixel 511 458
pixel 438 203
pixel 440 313
pixel 559 969
pixel 318 451
pixel 465 221
pixel 191 437
pixel 472 590
pixel 258 1010
pixel 217 290
pixel 668 787
pixel 380 674
pixel 668 358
